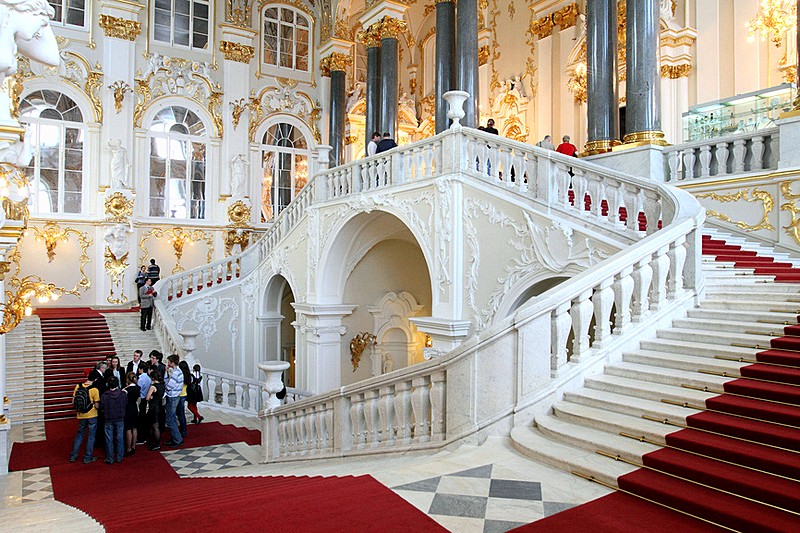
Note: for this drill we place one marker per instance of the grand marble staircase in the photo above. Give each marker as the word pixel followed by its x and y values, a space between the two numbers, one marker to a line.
pixel 603 430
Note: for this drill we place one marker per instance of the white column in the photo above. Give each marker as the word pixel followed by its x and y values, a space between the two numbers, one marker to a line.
pixel 320 359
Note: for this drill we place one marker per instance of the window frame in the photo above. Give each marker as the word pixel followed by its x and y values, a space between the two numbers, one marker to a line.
pixel 191 18
pixel 277 150
pixel 276 68
pixel 65 6
pixel 36 157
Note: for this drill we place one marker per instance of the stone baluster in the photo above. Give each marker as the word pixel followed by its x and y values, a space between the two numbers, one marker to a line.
pixel 226 389
pixel 562 322
pixel 758 153
pixel 603 301
pixel 722 158
pixel 252 398
pixel 438 407
pixel 420 404
pixel 283 435
pixel 581 313
pixel 705 161
pixel 652 210
pixel 310 428
pixel 688 163
pixel 562 184
pixel 371 417
pixel 211 394
pixel 739 154
pixel 239 392
pixel 580 187
pixel 329 430
pixel 642 277
pixel 386 415
pixel 317 416
pixel 357 420
pixel 658 292
pixel 612 199
pixel 596 193
pixel 623 291
pixel 677 258
pixel 630 195
pixel 402 409
pixel 674 161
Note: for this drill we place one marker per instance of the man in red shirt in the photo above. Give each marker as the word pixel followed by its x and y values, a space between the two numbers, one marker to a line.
pixel 567 148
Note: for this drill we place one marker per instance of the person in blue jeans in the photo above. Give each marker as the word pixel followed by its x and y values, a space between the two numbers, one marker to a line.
pixel 173 392
pixel 86 421
pixel 113 403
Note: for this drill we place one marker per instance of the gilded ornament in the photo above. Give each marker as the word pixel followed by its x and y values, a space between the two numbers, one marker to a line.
pixel 239 214
pixel 120 28
pixel 237 108
pixel 494 81
pixel 577 83
pixel 116 271
pixel 256 112
pixel 234 237
pixel 412 85
pixel 335 62
pixel 511 10
pixel 118 207
pixel 793 229
pixel 178 237
pixel 16 210
pixel 371 37
pixel 357 346
pixel 14 93
pixel 120 88
pixel 350 139
pixel 790 74
pixel 238 52
pixel 51 234
pixel 566 17
pixel 237 12
pixel 673 72
pixel 94 80
pixel 390 27
pixel 542 27
pixel 341 30
pixel 4 269
pixel 483 55
pixel 757 195
pixel 18 305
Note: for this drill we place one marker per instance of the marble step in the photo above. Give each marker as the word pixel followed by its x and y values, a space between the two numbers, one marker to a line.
pixel 646 390
pixel 757 303
pixel 623 404
pixel 737 277
pixel 665 376
pixel 751 328
pixel 708 336
pixel 694 349
pixel 742 293
pixel 740 315
pixel 611 422
pixel 534 444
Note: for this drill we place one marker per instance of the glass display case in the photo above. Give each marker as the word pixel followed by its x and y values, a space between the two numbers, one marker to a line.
pixel 738 114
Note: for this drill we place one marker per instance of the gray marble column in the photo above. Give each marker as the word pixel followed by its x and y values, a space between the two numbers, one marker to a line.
pixel 389 96
pixel 373 87
pixel 338 99
pixel 445 58
pixel 643 68
pixel 601 75
pixel 467 58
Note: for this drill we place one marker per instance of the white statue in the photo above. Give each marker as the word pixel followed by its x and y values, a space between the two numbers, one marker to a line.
pixel 238 176
pixel 388 363
pixel 25 30
pixel 120 166
pixel 116 238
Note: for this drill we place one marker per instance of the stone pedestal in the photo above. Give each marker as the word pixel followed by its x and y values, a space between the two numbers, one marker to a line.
pixel 789 155
pixel 189 344
pixel 319 357
pixel 446 334
pixel 273 371
pixel 645 161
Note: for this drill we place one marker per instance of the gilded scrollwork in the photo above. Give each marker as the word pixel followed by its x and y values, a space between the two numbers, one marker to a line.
pixel 120 28
pixel 239 214
pixel 357 346
pixel 51 234
pixel 118 207
pixel 285 98
pixel 237 108
pixel 793 228
pixel 115 266
pixel 179 238
pixel 241 53
pixel 235 237
pixel 335 62
pixel 757 195
pixel 673 72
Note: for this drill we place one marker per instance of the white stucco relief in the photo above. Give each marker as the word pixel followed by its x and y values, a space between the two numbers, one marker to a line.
pixel 207 313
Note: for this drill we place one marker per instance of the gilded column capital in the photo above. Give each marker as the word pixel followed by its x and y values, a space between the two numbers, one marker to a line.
pixel 390 27
pixel 335 61
pixel 120 28
pixel 673 72
pixel 232 51
pixel 371 37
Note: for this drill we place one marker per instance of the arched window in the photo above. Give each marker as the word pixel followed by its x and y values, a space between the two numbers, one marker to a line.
pixel 58 141
pixel 177 163
pixel 286 37
pixel 69 12
pixel 182 23
pixel 284 166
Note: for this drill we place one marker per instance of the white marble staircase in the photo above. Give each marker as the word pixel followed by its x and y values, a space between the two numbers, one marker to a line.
pixel 667 369
pixel 25 371
pixel 124 329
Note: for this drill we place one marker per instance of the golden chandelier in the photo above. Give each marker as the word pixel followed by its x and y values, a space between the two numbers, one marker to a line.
pixel 776 17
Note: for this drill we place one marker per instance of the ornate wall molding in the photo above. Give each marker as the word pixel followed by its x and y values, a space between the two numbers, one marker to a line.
pixel 757 195
pixel 237 12
pixel 120 28
pixel 286 98
pixel 51 234
pixel 238 52
pixel 179 237
pixel 167 76
pixel 207 313
pixel 793 228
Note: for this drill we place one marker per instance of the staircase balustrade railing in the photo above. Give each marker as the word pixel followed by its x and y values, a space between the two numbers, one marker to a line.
pixel 733 154
pixel 237 394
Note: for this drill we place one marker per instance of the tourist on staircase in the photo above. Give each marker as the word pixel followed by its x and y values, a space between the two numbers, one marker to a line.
pixel 173 391
pixel 195 394
pixel 183 366
pixel 153 272
pixel 155 396
pixel 146 296
pixel 113 404
pixel 131 412
pixel 115 370
pixel 133 366
pixel 141 276
pixel 98 379
pixel 144 383
pixel 85 399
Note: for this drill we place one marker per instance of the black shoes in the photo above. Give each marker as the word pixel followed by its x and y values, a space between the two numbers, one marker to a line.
pixel 173 444
pixel 93 459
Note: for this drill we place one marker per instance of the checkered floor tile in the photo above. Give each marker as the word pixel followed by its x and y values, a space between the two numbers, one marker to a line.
pixel 192 461
pixel 36 485
pixel 33 431
pixel 474 496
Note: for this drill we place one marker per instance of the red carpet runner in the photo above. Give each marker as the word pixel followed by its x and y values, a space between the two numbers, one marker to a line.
pixel 72 340
pixel 738 463
pixel 296 504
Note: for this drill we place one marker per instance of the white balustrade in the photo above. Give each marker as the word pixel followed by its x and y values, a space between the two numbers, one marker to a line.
pixel 752 151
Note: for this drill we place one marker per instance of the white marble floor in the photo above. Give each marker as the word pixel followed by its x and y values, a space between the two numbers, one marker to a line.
pixel 489 488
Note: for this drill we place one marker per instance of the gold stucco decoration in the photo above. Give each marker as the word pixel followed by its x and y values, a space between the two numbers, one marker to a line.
pixel 335 62
pixel 238 52
pixel 118 207
pixel 793 228
pixel 757 195
pixel 239 214
pixel 357 346
pixel 120 28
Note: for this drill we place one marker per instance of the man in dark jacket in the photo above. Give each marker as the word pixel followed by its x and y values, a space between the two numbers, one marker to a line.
pixel 153 271
pixel 113 403
pixel 387 143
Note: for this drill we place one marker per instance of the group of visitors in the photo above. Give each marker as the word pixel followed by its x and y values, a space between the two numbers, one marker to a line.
pixel 125 407
pixel 145 279
pixel 566 147
pixel 378 144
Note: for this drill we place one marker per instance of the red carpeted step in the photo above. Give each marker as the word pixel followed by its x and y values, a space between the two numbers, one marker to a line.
pixel 762 410
pixel 724 509
pixel 767 391
pixel 745 482
pixel 740 452
pixel 731 256
pixel 787 343
pixel 772 373
pixel 779 357
pixel 753 430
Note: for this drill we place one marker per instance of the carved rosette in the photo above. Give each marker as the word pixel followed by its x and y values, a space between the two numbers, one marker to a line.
pixel 335 61
pixel 238 52
pixel 118 207
pixel 120 28
pixel 673 72
pixel 239 214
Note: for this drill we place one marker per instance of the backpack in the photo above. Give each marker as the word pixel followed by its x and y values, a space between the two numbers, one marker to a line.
pixel 82 402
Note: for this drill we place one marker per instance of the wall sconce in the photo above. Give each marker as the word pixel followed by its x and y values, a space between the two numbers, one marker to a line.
pixel 428 341
pixel 18 305
pixel 120 88
pixel 51 234
pixel 357 346
pixel 237 108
